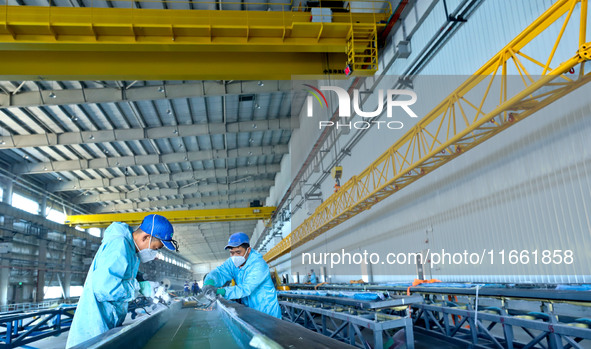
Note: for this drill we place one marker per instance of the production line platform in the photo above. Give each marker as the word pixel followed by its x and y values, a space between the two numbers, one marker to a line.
pixel 225 325
pixel 341 316
pixel 466 315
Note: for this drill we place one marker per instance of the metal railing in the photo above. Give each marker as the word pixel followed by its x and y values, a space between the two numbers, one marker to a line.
pixel 23 328
pixel 27 306
pixel 52 303
pixel 337 7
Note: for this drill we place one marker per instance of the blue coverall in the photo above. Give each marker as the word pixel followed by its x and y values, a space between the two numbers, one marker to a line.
pixel 110 285
pixel 253 283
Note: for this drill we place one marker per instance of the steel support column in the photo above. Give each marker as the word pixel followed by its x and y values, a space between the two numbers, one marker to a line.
pixel 4 280
pixel 41 267
pixel 67 281
pixel 7 222
pixel 7 192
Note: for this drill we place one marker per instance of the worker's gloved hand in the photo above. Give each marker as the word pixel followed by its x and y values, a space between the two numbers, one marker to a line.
pixel 221 291
pixel 148 288
pixel 209 291
pixel 209 288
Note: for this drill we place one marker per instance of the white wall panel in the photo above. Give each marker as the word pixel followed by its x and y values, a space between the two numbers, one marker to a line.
pixel 527 188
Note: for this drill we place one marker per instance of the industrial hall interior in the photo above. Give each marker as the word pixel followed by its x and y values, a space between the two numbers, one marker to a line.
pixel 376 174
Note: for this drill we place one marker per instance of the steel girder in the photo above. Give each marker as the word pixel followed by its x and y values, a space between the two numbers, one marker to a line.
pixel 175 217
pixel 163 65
pixel 205 200
pixel 140 160
pixel 161 192
pixel 79 43
pixel 209 233
pixel 134 134
pixel 26 99
pixel 112 208
pixel 90 184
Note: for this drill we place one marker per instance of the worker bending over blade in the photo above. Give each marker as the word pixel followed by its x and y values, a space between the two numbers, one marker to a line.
pixel 251 274
pixel 111 281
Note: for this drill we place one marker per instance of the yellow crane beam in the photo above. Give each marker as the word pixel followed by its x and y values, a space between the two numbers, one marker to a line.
pixel 460 122
pixel 175 217
pixel 163 65
pixel 81 43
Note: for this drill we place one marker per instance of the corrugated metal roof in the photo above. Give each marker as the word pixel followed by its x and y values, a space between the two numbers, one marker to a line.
pixel 218 113
pixel 144 114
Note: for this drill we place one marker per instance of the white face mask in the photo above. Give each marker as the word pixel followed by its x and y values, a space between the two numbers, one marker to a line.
pixel 238 260
pixel 146 255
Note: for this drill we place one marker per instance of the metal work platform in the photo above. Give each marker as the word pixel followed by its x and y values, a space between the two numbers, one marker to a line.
pixel 503 316
pixel 225 325
pixel 362 323
pixel 463 324
pixel 348 327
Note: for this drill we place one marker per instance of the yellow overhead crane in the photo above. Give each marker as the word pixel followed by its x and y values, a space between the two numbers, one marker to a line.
pixel 130 43
pixel 459 122
pixel 175 217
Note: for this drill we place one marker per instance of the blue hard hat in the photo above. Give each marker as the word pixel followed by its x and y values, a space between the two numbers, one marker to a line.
pixel 159 227
pixel 236 240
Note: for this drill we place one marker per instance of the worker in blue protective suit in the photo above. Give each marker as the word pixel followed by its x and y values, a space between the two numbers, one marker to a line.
pixel 111 281
pixel 195 288
pixel 249 270
pixel 313 279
